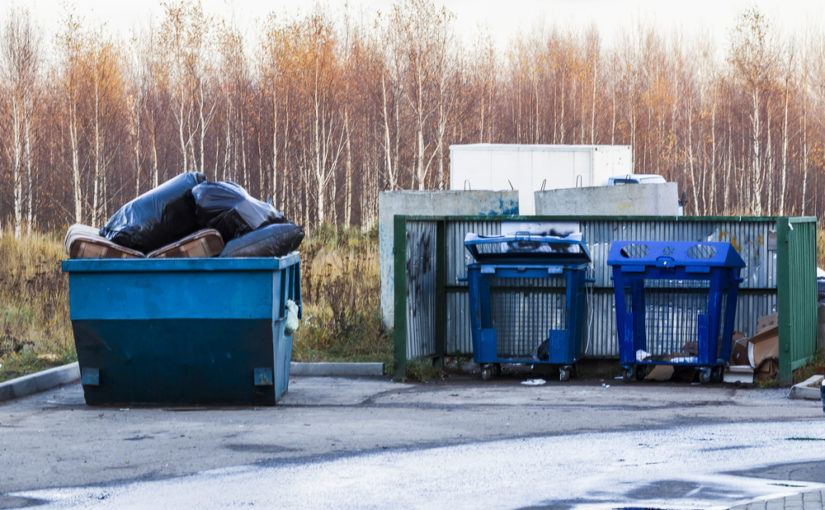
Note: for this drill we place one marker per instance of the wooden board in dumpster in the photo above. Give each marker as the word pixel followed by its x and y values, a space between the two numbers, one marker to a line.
pixel 203 243
pixel 84 242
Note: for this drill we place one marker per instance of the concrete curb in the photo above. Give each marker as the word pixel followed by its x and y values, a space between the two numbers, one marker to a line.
pixel 332 369
pixel 804 391
pixel 40 381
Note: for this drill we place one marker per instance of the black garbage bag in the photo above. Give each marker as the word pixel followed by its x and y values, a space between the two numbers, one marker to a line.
pixel 270 241
pixel 158 217
pixel 228 208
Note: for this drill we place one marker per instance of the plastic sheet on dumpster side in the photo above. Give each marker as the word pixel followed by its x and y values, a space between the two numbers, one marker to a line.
pixel 270 241
pixel 158 217
pixel 228 208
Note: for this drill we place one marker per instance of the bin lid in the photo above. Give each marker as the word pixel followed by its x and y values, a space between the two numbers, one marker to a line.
pixel 636 255
pixel 526 248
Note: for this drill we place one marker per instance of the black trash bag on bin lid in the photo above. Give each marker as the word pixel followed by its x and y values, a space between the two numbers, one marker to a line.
pixel 229 208
pixel 270 241
pixel 158 217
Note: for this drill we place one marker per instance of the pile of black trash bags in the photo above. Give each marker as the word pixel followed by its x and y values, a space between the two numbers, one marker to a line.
pixel 189 203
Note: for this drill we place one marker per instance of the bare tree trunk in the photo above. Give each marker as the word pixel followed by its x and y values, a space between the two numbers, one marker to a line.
pixel 155 170
pixel 711 208
pixel 136 148
pixel 348 186
pixel 97 175
pixel 784 156
pixel 804 207
pixel 391 176
pixel 17 170
pixel 27 154
pixel 76 184
pixel 756 180
pixel 690 162
pixel 727 186
pixel 593 105
pixel 275 145
pixel 183 148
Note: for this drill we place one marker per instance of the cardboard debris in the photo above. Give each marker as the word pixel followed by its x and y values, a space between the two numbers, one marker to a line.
pixel 767 369
pixel 739 349
pixel 763 345
pixel 660 373
pixel 767 322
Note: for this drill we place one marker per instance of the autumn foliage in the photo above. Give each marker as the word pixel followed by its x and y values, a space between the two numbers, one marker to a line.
pixel 324 110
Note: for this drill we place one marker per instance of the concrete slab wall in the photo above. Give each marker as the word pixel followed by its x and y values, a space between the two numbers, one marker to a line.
pixel 627 200
pixel 434 203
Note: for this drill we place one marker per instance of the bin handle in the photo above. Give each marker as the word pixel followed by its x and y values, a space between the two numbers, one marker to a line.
pixel 462 278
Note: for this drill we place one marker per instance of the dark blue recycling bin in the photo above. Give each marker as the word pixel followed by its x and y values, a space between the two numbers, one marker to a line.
pixel 675 304
pixel 527 300
pixel 183 331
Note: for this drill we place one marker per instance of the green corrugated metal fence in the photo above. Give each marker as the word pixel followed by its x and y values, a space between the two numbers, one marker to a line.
pixel 796 288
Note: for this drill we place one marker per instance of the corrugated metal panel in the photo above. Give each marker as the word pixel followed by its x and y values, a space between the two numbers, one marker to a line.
pixel 800 301
pixel 523 311
pixel 421 251
pixel 601 337
pixel 755 240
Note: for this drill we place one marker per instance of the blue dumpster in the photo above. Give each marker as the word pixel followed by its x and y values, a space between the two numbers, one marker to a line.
pixel 183 331
pixel 527 300
pixel 675 304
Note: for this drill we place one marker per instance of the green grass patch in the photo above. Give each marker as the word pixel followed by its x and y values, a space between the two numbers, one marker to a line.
pixel 341 287
pixel 35 331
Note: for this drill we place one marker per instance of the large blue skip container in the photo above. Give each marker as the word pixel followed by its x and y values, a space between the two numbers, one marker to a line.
pixel 183 331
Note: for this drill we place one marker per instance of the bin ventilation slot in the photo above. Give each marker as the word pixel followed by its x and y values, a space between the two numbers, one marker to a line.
pixel 701 251
pixel 635 251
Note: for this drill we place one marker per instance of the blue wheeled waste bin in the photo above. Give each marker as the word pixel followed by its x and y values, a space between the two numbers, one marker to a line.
pixel 527 300
pixel 675 304
pixel 183 331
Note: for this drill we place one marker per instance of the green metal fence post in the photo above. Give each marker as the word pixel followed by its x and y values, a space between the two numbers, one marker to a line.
pixel 400 279
pixel 783 298
pixel 440 290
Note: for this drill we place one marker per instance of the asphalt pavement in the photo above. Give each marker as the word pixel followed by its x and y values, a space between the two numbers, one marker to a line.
pixel 459 443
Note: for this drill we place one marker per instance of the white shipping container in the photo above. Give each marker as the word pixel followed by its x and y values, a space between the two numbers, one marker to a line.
pixel 526 168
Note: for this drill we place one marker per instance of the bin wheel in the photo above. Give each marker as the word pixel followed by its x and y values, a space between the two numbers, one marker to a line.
pixel 627 376
pixel 565 372
pixel 704 375
pixel 717 374
pixel 640 372
pixel 487 372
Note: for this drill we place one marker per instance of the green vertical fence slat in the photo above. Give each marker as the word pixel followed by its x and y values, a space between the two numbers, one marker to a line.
pixel 783 289
pixel 400 276
pixel 796 293
pixel 440 332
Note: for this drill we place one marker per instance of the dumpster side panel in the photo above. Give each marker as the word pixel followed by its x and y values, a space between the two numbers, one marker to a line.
pixel 175 361
pixel 171 295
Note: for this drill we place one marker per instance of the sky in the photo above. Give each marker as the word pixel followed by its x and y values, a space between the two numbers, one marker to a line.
pixel 503 19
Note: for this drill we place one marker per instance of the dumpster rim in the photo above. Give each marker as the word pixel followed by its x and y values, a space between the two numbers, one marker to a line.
pixel 180 264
